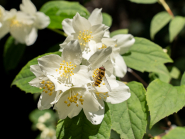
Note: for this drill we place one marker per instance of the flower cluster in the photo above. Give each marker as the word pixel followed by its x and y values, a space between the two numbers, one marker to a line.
pixel 84 76
pixel 23 25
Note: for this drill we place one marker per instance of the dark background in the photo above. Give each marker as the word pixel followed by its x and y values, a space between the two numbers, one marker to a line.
pixel 16 104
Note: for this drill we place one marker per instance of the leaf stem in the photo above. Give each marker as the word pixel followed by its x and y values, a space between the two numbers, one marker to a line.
pixel 138 77
pixel 59 32
pixel 167 8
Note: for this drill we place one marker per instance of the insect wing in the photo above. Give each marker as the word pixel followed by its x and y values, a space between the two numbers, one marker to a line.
pixel 107 83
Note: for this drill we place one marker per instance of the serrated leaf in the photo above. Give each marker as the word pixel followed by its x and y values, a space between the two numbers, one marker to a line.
pixel 163 100
pixel 107 19
pixel 25 75
pixel 59 10
pixel 129 118
pixel 158 22
pixel 144 1
pixel 12 53
pixel 174 73
pixel 177 133
pixel 146 56
pixel 119 31
pixel 176 25
pixel 183 79
pixel 80 128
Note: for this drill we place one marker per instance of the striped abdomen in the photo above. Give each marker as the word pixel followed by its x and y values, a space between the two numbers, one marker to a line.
pixel 99 76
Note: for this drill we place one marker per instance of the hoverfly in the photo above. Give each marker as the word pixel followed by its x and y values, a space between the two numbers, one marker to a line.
pixel 101 76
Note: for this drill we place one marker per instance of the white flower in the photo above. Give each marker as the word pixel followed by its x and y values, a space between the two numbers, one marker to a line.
pixel 66 71
pixel 41 21
pixel 4 24
pixel 84 30
pixel 20 26
pixel 41 81
pixel 72 101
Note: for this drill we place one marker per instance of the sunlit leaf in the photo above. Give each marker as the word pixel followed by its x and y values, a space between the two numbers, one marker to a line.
pixel 119 31
pixel 144 1
pixel 183 79
pixel 107 19
pixel 59 10
pixel 25 76
pixel 177 133
pixel 174 73
pixel 80 128
pixel 146 56
pixel 13 52
pixel 158 22
pixel 163 100
pixel 176 25
pixel 129 118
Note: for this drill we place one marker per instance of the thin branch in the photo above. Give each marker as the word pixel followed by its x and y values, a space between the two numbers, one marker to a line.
pixel 177 119
pixel 138 77
pixel 167 8
pixel 59 32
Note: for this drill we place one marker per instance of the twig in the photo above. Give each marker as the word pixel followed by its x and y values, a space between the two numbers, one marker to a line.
pixel 166 7
pixel 138 77
pixel 177 119
pixel 59 32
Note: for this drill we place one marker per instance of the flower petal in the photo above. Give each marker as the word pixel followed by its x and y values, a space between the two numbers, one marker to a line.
pixel 90 102
pixel 106 34
pixel 100 57
pixel 28 7
pixel 31 38
pixel 35 82
pixel 97 32
pixel 4 28
pixel 80 23
pixel 49 63
pixel 36 70
pixel 92 47
pixel 109 42
pixel 119 94
pixel 74 112
pixel 64 44
pixel 81 77
pixel 72 52
pixel 124 41
pixel 96 17
pixel 67 26
pixel 108 67
pixel 120 67
pixel 41 20
pixel 45 100
pixel 95 117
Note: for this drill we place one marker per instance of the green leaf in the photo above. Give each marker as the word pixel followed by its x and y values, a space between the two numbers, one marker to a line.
pixel 25 76
pixel 158 22
pixel 12 53
pixel 146 56
pixel 177 133
pixel 144 1
pixel 59 10
pixel 129 118
pixel 163 100
pixel 80 128
pixel 107 19
pixel 183 79
pixel 119 31
pixel 175 72
pixel 114 135
pixel 176 25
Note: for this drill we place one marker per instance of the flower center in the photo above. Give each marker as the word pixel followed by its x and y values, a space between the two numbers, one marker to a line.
pixel 103 46
pixel 48 87
pixel 15 22
pixel 102 95
pixel 84 37
pixel 66 69
pixel 74 98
